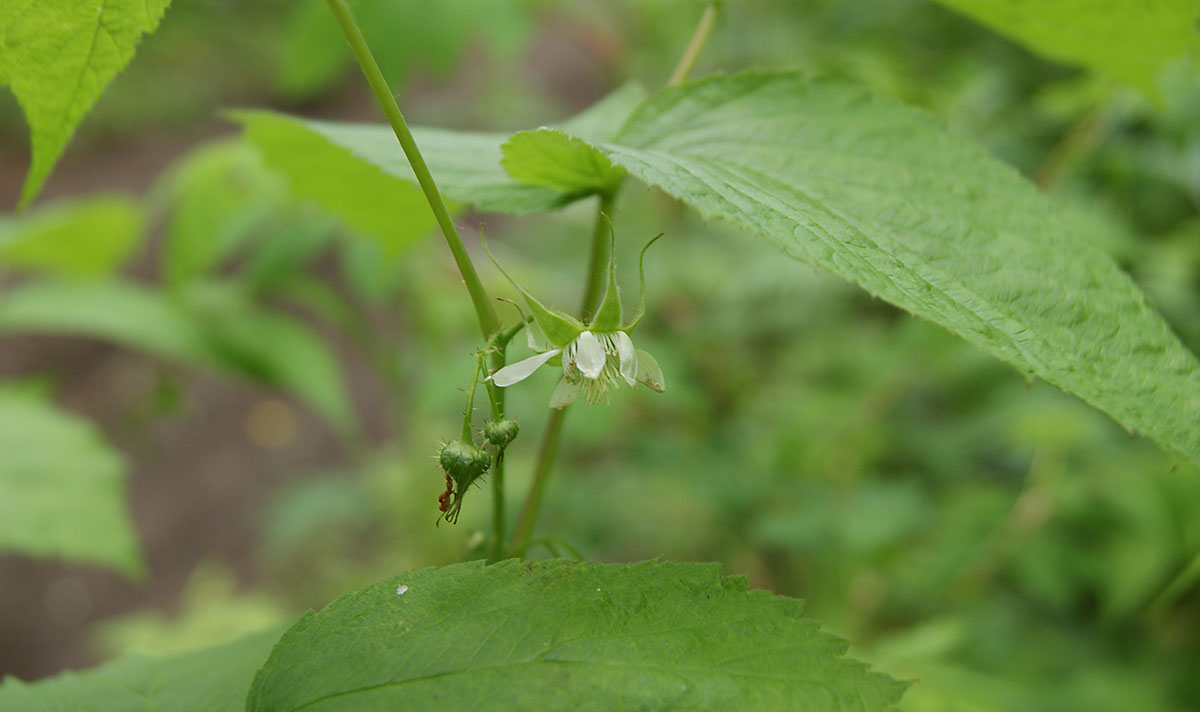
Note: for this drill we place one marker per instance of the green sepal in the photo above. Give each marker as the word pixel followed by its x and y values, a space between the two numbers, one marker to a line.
pixel 641 310
pixel 560 329
pixel 608 315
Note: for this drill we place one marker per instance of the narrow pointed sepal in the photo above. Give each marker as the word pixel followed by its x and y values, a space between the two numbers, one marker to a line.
pixel 649 373
pixel 564 394
pixel 559 328
pixel 608 315
pixel 641 310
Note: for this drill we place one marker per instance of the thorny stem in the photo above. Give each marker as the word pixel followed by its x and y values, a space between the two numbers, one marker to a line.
pixel 591 298
pixel 489 323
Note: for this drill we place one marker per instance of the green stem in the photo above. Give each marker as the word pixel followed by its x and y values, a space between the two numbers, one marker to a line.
pixel 705 27
pixel 599 257
pixel 591 299
pixel 533 500
pixel 489 323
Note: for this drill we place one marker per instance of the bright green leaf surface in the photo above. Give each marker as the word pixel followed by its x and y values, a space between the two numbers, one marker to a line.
pixel 1128 41
pixel 208 680
pixel 213 328
pixel 84 238
pixel 553 159
pixel 561 635
pixel 58 56
pixel 881 195
pixel 370 200
pixel 62 489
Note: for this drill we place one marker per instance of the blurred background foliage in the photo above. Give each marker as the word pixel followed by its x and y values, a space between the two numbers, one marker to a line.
pixel 997 541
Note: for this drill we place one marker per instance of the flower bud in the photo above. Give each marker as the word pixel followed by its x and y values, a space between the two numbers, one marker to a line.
pixel 501 432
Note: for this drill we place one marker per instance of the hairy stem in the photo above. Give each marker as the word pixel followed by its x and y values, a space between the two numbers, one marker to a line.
pixel 488 321
pixel 599 257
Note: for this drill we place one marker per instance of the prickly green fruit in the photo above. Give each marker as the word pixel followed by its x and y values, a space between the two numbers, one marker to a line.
pixel 501 432
pixel 464 462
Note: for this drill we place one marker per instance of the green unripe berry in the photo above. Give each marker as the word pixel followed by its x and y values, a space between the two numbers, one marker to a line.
pixel 501 432
pixel 464 462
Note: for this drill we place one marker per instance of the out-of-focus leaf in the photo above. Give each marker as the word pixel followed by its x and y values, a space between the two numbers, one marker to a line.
pixel 371 201
pixel 564 635
pixel 212 680
pixel 274 349
pixel 57 57
pixel 114 311
pixel 217 194
pixel 881 195
pixel 382 191
pixel 1129 41
pixel 82 238
pixel 406 38
pixel 62 489
pixel 212 326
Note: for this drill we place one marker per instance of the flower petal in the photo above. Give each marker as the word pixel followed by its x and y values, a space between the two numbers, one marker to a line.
pixel 564 394
pixel 589 355
pixel 628 356
pixel 519 371
pixel 649 373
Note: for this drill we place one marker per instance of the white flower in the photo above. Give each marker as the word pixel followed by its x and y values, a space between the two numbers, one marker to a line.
pixel 591 363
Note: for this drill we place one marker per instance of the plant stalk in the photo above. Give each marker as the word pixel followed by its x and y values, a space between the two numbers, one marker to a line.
pixel 699 37
pixel 591 298
pixel 489 323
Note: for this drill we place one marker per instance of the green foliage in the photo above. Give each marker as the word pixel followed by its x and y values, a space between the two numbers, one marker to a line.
pixel 209 680
pixel 880 195
pixel 553 159
pixel 212 326
pixel 62 489
pixel 466 166
pixel 1129 42
pixel 393 212
pixel 557 635
pixel 83 238
pixel 57 58
pixel 218 194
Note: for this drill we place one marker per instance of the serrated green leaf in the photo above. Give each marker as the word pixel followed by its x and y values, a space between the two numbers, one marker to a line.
pixel 1128 41
pixel 603 120
pixel 564 635
pixel 554 159
pixel 882 195
pixel 208 680
pixel 57 58
pixel 82 238
pixel 369 200
pixel 210 327
pixel 62 489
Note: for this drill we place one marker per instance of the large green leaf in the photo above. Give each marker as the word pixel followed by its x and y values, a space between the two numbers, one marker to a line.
pixel 207 680
pixel 212 326
pixel 379 205
pixel 564 635
pixel 1128 41
pixel 58 56
pixel 80 238
pixel 883 196
pixel 324 159
pixel 62 489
